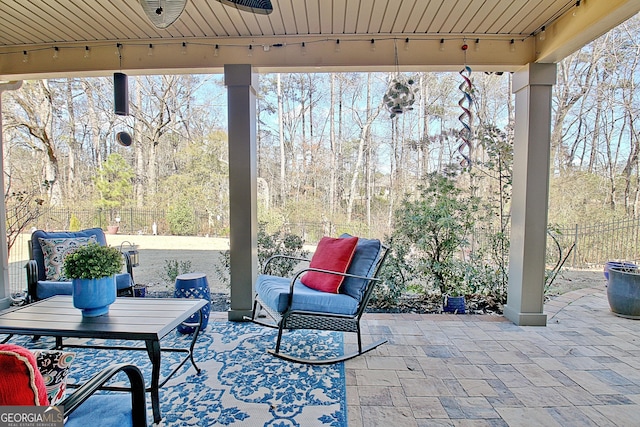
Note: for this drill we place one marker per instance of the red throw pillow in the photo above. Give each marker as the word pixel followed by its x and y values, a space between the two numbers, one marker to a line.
pixel 332 255
pixel 21 383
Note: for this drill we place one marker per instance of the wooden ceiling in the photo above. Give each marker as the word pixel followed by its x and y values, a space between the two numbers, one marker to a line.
pixel 507 32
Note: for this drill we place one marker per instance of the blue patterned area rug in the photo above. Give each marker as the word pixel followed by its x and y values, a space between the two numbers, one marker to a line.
pixel 240 383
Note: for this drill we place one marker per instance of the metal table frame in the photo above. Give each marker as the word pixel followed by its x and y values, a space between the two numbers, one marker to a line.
pixel 136 319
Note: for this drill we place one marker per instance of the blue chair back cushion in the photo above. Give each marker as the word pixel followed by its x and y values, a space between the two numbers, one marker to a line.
pixel 108 410
pixel 36 249
pixel 46 289
pixel 274 292
pixel 362 264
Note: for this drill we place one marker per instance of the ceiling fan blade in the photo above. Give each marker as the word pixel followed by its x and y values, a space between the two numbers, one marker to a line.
pixel 163 13
pixel 262 7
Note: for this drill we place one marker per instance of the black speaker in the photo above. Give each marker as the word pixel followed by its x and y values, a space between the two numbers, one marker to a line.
pixel 121 94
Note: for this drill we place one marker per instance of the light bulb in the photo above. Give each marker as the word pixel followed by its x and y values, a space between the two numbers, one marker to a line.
pixel 303 49
pixel 118 47
pixel 87 52
pixel 183 50
pixel 576 10
pixel 55 52
pixel 543 34
pixel 216 51
pixel 476 47
pixel 337 49
pixel 441 45
pixel 150 50
pixel 406 44
pixel 373 45
pixel 250 54
pixel 512 46
pixel 25 56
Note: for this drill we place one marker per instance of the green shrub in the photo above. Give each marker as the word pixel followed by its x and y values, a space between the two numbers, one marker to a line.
pixel 278 243
pixel 173 268
pixel 181 220
pixel 74 223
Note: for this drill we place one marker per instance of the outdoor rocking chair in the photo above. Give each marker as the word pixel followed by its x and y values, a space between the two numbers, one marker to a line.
pixel 294 305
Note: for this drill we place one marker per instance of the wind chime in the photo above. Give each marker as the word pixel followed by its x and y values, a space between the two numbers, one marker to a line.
pixel 466 118
pixel 399 96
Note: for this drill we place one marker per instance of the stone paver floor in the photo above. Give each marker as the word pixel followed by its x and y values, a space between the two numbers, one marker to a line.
pixel 582 369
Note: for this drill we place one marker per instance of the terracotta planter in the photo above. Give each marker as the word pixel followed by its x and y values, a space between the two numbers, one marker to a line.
pixel 112 229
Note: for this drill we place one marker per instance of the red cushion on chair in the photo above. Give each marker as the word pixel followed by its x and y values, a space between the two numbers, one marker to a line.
pixel 332 255
pixel 21 383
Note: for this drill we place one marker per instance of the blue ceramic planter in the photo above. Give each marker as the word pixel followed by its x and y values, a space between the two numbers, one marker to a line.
pixel 194 285
pixel 617 264
pixel 94 296
pixel 454 305
pixel 623 292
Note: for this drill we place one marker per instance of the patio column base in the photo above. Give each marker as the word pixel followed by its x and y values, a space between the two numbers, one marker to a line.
pixel 239 315
pixel 525 319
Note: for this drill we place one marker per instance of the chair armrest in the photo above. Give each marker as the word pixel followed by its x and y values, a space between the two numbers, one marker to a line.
pixel 32 280
pixel 267 265
pixel 138 402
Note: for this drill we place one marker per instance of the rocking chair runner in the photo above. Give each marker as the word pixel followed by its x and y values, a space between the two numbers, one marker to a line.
pixel 292 305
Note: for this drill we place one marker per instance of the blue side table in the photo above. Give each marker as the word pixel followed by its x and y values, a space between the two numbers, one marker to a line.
pixel 194 285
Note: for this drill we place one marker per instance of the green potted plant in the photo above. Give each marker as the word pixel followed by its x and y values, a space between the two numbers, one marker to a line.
pixel 454 287
pixel 92 269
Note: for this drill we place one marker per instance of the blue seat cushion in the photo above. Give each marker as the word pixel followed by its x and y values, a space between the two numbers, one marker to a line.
pixel 46 289
pixel 108 410
pixel 274 292
pixel 362 264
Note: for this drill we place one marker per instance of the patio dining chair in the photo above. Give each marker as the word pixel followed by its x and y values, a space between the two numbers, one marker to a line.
pixel 46 257
pixel 331 294
pixel 24 381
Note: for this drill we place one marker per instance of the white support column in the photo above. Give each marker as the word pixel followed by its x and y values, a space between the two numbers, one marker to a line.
pixel 532 86
pixel 242 86
pixel 5 289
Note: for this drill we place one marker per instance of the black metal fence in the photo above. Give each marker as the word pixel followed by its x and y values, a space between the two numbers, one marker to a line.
pixel 579 246
pixel 593 245
pixel 588 246
pixel 131 221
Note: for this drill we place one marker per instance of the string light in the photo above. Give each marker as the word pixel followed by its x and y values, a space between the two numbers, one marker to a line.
pixel 302 45
pixel 543 34
pixel 576 10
